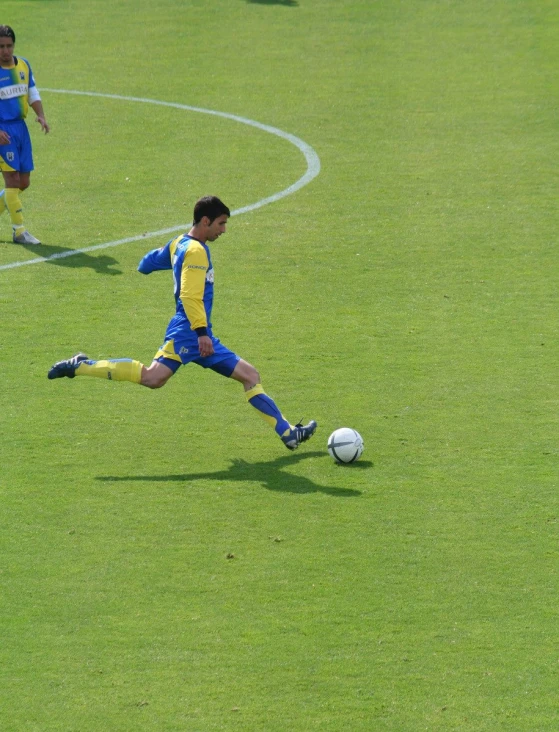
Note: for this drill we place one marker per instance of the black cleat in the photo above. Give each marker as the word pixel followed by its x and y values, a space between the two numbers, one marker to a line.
pixel 67 368
pixel 299 434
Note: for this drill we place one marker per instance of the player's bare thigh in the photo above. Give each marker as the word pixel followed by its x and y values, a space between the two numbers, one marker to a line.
pixel 156 375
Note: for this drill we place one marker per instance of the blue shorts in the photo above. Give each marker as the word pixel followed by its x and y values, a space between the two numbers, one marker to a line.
pixel 17 155
pixel 177 352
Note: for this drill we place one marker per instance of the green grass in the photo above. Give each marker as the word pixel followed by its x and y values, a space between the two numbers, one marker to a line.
pixel 165 563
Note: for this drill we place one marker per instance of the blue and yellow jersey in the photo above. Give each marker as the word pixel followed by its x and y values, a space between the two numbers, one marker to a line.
pixel 193 278
pixel 16 83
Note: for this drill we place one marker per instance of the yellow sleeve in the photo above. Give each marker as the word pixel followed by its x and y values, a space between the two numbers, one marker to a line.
pixel 193 284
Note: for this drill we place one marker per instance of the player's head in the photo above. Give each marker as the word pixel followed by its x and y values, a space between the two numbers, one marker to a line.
pixel 7 42
pixel 7 32
pixel 210 218
pixel 210 207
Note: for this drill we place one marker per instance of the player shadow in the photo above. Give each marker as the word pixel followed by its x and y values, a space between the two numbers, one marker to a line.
pixel 269 474
pixel 65 257
pixel 287 3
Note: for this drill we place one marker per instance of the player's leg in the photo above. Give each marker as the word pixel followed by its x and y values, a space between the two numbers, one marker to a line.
pixel 249 377
pixel 6 138
pixel 16 164
pixel 118 369
pixel 227 363
pixel 12 200
pixel 291 435
pixel 16 183
pixel 12 158
pixel 113 369
pixel 24 181
pixel 156 375
pixel 165 363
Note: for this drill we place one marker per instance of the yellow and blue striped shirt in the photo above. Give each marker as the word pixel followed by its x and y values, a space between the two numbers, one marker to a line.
pixel 193 277
pixel 17 89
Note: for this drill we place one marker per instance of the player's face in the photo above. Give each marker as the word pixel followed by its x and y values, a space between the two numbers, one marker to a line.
pixel 217 227
pixel 6 51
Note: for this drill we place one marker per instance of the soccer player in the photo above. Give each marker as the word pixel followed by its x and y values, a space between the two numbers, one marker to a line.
pixel 17 93
pixel 189 337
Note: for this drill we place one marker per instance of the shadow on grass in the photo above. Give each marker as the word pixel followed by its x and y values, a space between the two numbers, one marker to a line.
pixel 269 474
pixel 64 257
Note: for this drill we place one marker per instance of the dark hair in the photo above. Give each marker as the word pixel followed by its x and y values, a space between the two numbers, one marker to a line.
pixel 7 32
pixel 209 206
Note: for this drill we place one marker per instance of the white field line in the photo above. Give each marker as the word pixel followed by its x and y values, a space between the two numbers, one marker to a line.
pixel 313 169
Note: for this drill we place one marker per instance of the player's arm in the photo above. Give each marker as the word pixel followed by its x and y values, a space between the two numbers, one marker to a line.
pixel 37 106
pixel 155 260
pixel 193 283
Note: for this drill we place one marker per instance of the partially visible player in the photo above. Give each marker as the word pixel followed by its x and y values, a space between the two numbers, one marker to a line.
pixel 17 93
pixel 189 337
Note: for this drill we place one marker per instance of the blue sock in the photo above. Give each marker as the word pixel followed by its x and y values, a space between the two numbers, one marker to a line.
pixel 268 409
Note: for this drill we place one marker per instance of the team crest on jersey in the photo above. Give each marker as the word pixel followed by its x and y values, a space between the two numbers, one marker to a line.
pixel 22 75
pixel 210 275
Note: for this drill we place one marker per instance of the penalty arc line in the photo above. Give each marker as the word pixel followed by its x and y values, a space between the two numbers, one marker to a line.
pixel 313 169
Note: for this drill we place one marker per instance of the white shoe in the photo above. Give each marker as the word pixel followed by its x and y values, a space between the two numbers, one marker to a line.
pixel 25 238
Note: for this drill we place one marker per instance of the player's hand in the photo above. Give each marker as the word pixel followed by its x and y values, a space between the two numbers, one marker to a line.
pixel 4 138
pixel 44 124
pixel 205 346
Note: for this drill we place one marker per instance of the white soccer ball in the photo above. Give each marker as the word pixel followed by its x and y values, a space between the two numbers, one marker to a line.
pixel 345 445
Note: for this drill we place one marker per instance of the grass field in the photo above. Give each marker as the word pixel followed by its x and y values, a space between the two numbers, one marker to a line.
pixel 165 563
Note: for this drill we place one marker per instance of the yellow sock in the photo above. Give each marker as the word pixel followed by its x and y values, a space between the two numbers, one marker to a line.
pixel 119 369
pixel 13 204
pixel 257 389
pixel 2 201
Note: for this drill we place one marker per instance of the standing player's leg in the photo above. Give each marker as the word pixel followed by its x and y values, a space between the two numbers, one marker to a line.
pixel 20 233
pixel 291 435
pixel 5 140
pixel 15 183
pixel 12 201
pixel 16 164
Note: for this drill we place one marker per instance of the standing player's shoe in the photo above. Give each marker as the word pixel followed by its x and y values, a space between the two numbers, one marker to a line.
pixel 25 238
pixel 299 434
pixel 67 368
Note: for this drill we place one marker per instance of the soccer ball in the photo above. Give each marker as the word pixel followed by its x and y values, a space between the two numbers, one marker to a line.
pixel 345 445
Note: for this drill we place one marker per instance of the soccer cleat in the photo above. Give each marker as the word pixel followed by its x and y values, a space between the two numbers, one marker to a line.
pixel 299 434
pixel 67 368
pixel 25 238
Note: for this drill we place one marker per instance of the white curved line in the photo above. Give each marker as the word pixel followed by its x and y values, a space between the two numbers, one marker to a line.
pixel 313 169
